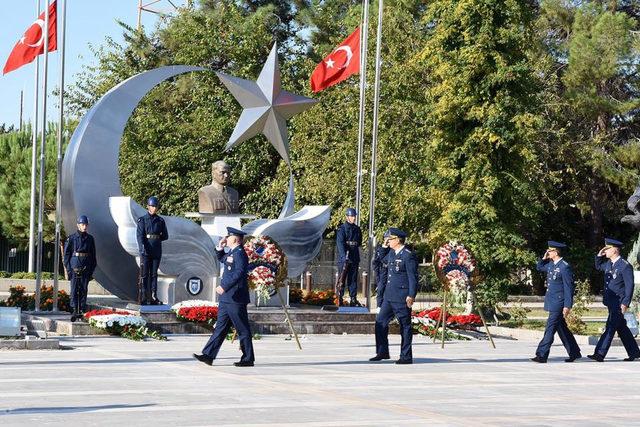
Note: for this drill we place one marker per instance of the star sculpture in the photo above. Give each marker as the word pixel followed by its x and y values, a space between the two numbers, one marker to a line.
pixel 266 106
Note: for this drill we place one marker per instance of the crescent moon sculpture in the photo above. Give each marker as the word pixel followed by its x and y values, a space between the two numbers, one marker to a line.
pixel 90 175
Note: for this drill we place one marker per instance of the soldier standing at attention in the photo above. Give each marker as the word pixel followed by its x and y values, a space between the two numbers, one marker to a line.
pixel 233 296
pixel 151 232
pixel 618 290
pixel 397 294
pixel 348 242
pixel 80 262
pixel 381 268
pixel 558 301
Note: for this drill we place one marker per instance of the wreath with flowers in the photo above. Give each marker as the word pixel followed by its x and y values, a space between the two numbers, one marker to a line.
pixel 267 266
pixel 455 267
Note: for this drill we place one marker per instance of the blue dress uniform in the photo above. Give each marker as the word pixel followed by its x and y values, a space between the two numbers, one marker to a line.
pixel 618 290
pixel 232 308
pixel 151 232
pixel 80 262
pixel 402 282
pixel 348 242
pixel 560 289
pixel 381 269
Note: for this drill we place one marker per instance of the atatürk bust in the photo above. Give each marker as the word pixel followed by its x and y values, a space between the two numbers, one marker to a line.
pixel 218 198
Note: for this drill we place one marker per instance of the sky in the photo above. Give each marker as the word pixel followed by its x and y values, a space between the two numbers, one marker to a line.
pixel 89 22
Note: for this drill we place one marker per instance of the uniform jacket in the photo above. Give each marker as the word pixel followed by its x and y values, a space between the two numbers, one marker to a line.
pixel 618 281
pixel 348 242
pixel 151 225
pixel 560 284
pixel 402 277
pixel 235 266
pixel 80 243
pixel 380 267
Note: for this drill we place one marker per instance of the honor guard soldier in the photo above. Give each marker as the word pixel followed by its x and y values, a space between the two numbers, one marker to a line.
pixel 80 262
pixel 558 301
pixel 397 295
pixel 233 299
pixel 348 242
pixel 618 290
pixel 380 267
pixel 151 232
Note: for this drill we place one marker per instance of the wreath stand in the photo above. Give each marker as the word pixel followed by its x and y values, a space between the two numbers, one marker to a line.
pixel 442 322
pixel 288 319
pixel 443 308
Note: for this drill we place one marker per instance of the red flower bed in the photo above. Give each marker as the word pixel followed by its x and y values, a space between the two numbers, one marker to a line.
pixel 104 311
pixel 461 320
pixel 198 314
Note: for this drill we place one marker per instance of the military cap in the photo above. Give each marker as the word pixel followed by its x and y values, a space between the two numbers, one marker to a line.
pixel 153 201
pixel 552 244
pixel 612 243
pixel 235 232
pixel 82 219
pixel 351 212
pixel 396 232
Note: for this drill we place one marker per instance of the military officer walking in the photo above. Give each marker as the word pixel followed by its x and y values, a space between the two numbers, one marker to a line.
pixel 558 301
pixel 80 261
pixel 233 299
pixel 348 242
pixel 618 290
pixel 151 232
pixel 397 295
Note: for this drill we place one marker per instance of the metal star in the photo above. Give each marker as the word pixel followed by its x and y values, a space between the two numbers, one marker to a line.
pixel 266 106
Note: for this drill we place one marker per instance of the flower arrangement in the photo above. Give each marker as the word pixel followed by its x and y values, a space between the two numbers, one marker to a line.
pixel 454 266
pixel 123 324
pixel 27 301
pixel 267 266
pixel 202 314
pixel 192 303
pixel 315 297
pixel 425 320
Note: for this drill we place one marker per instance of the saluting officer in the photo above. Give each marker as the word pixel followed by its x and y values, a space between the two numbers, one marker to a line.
pixel 618 290
pixel 80 262
pixel 397 295
pixel 558 301
pixel 380 266
pixel 348 242
pixel 233 300
pixel 151 232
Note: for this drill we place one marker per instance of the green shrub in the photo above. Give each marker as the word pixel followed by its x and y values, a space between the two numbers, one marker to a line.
pixel 581 302
pixel 4 274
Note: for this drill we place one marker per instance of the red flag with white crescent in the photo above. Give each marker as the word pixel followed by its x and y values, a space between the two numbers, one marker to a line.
pixel 339 64
pixel 31 44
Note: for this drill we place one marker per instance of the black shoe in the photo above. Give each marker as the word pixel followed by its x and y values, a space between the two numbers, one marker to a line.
pixel 573 358
pixel 203 358
pixel 538 359
pixel 241 363
pixel 404 362
pixel 631 358
pixel 596 357
pixel 378 358
pixel 354 303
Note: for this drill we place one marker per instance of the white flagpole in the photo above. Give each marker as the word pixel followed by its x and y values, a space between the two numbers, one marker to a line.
pixel 34 157
pixel 43 138
pixel 364 37
pixel 374 140
pixel 56 256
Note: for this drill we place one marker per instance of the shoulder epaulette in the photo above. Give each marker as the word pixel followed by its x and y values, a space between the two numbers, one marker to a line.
pixel 565 263
pixel 139 219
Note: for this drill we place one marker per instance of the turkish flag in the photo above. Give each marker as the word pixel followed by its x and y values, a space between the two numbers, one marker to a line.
pixel 339 64
pixel 31 44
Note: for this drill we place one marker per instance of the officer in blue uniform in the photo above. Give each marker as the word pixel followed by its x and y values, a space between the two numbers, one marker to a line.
pixel 397 295
pixel 233 300
pixel 558 301
pixel 380 266
pixel 348 242
pixel 618 290
pixel 80 262
pixel 151 232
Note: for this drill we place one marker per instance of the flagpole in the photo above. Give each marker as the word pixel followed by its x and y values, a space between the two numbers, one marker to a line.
pixel 43 138
pixel 56 252
pixel 374 139
pixel 364 37
pixel 34 158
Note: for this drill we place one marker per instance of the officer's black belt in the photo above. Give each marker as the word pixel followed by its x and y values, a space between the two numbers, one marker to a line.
pixel 153 236
pixel 351 243
pixel 80 254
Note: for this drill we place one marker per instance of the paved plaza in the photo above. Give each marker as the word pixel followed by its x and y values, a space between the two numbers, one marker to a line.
pixel 108 381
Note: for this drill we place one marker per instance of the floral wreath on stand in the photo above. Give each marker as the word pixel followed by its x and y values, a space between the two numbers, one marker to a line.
pixel 455 267
pixel 267 266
